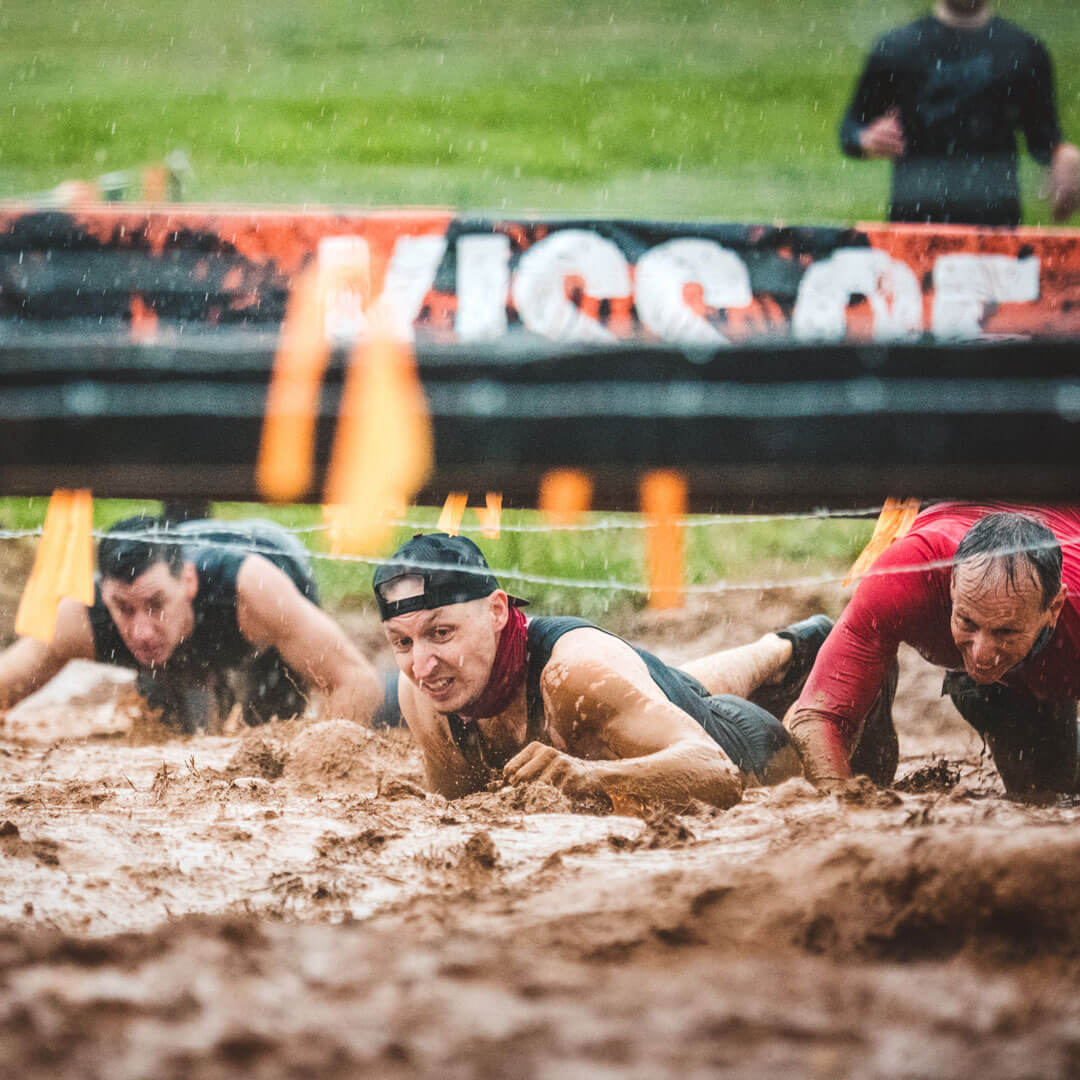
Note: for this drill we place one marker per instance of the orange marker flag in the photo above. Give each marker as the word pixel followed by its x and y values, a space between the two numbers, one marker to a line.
pixel 64 565
pixel 491 515
pixel 339 519
pixel 663 502
pixel 452 512
pixel 896 518
pixel 565 494
pixel 284 469
pixel 383 445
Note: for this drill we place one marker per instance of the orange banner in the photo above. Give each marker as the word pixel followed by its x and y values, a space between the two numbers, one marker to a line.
pixel 470 281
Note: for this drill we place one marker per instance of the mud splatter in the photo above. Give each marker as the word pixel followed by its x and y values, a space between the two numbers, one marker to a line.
pixel 288 901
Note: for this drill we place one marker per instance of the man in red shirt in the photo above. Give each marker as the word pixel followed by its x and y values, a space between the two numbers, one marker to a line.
pixel 990 593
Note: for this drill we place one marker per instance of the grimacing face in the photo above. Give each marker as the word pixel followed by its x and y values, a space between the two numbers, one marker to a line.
pixel 995 624
pixel 447 652
pixel 154 612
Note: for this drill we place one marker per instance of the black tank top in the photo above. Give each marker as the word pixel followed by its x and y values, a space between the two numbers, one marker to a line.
pixel 682 690
pixel 215 642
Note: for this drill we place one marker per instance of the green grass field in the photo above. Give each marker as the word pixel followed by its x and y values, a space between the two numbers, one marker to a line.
pixel 674 110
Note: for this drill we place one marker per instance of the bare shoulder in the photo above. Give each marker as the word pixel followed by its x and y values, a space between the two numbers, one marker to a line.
pixel 591 662
pixel 267 600
pixel 423 722
pixel 256 574
pixel 409 702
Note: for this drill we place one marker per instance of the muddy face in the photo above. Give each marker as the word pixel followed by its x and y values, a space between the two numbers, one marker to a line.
pixel 154 612
pixel 448 652
pixel 996 622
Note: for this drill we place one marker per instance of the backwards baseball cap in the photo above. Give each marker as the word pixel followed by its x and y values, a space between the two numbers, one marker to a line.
pixel 452 568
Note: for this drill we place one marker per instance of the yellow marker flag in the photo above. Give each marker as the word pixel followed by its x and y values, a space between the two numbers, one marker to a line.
pixel 491 515
pixel 896 518
pixel 452 512
pixel 383 446
pixel 64 565
pixel 284 469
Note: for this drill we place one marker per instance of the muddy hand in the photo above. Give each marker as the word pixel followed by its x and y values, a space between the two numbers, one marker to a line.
pixel 545 764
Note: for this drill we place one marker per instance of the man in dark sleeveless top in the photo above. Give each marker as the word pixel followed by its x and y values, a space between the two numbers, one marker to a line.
pixel 206 612
pixel 489 695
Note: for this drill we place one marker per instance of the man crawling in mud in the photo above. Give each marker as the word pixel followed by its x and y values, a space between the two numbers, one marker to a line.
pixel 489 695
pixel 997 606
pixel 208 613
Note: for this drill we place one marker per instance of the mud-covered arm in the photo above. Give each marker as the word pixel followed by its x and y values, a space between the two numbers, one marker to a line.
pixel 446 772
pixel 29 663
pixel 603 696
pixel 851 667
pixel 272 613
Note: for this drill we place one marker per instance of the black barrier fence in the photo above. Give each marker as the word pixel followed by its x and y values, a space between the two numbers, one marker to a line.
pixel 779 428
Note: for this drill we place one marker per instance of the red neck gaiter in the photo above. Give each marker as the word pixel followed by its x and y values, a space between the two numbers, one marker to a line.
pixel 507 671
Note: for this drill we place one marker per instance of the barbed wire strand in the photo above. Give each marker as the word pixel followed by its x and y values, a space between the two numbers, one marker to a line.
pixel 692 521
pixel 515 574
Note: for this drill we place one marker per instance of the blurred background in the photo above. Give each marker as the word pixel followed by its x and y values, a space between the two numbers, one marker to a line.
pixel 661 109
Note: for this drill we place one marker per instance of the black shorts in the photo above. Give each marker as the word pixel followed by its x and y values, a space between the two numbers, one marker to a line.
pixel 752 737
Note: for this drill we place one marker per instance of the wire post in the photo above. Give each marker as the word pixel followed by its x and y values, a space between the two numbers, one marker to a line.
pixel 663 502
pixel 452 512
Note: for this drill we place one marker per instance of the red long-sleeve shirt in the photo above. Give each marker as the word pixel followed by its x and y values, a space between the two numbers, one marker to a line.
pixel 915 607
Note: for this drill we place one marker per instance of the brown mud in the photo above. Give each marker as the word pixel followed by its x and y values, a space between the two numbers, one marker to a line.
pixel 287 901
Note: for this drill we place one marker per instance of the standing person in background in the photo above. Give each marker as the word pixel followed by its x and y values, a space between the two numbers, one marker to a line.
pixel 942 99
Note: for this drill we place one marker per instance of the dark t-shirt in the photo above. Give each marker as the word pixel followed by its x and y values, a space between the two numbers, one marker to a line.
pixel 961 95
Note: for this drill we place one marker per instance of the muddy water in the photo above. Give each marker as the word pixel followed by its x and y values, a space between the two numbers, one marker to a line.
pixel 288 902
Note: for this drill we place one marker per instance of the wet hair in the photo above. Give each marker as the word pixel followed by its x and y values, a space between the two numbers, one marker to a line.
pixel 125 556
pixel 1012 541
